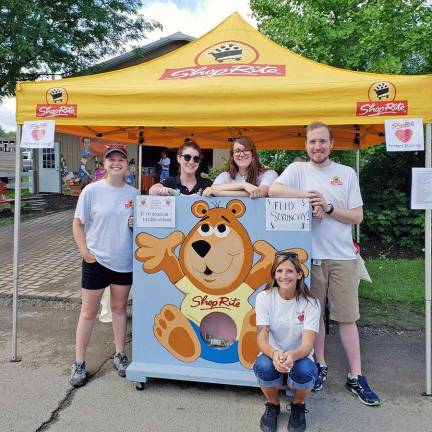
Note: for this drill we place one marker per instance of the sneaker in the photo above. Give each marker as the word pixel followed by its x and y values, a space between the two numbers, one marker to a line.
pixel 78 374
pixel 322 376
pixel 360 387
pixel 121 362
pixel 297 420
pixel 268 421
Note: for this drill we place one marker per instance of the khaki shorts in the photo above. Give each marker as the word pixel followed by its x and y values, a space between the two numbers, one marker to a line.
pixel 337 281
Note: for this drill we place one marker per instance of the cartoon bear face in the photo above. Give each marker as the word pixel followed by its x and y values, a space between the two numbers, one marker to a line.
pixel 217 254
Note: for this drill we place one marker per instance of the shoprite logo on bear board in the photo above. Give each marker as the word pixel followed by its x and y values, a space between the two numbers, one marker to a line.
pixel 382 101
pixel 56 104
pixel 227 58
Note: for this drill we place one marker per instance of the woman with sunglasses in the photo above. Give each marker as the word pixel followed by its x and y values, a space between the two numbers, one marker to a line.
pixel 245 176
pixel 188 182
pixel 287 322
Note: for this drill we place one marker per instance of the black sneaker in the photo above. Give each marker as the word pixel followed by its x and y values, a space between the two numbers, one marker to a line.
pixel 322 376
pixel 121 363
pixel 360 387
pixel 297 420
pixel 268 421
pixel 78 374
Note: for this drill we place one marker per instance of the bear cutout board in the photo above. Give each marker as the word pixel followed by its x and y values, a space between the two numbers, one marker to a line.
pixel 195 285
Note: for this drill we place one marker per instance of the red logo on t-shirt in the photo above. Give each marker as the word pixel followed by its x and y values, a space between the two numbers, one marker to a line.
pixel 300 316
pixel 336 181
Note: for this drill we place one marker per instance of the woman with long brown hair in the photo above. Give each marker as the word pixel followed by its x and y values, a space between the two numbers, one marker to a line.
pixel 287 321
pixel 245 176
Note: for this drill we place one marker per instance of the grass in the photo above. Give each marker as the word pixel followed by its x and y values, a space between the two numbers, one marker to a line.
pixel 396 296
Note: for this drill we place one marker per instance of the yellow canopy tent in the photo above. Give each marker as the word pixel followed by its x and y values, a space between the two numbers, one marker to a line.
pixel 229 82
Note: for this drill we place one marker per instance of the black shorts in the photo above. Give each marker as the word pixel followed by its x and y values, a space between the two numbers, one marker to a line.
pixel 95 276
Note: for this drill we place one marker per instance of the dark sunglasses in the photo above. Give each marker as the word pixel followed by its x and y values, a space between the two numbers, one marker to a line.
pixel 188 157
pixel 288 254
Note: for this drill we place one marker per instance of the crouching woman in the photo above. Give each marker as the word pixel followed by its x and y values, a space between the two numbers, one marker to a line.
pixel 287 318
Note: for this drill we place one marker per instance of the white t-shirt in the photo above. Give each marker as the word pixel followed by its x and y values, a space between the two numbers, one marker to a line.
pixel 286 318
pixel 104 210
pixel 338 183
pixel 266 178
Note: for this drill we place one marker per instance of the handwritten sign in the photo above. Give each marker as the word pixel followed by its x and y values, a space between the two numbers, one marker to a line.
pixel 155 211
pixel 287 214
pixel 404 135
pixel 421 190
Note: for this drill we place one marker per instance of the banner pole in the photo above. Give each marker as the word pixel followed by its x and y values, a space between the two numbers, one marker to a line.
pixel 17 223
pixel 428 263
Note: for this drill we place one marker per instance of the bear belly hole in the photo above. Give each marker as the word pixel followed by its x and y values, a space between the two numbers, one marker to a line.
pixel 218 330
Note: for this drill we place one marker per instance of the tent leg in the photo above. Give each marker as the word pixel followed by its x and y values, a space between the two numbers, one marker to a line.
pixel 358 176
pixel 17 222
pixel 140 143
pixel 428 263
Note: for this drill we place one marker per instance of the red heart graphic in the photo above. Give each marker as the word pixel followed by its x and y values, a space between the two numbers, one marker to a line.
pixel 404 135
pixel 38 134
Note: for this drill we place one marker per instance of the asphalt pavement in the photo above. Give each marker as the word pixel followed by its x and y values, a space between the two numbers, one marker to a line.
pixel 35 394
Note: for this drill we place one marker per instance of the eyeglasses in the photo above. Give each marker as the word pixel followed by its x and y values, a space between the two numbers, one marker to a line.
pixel 285 253
pixel 188 157
pixel 246 153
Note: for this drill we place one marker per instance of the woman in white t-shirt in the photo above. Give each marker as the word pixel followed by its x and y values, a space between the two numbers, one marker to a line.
pixel 102 231
pixel 245 176
pixel 287 321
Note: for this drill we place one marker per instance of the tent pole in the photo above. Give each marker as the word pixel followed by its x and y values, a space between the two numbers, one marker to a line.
pixel 428 263
pixel 140 142
pixel 358 176
pixel 17 223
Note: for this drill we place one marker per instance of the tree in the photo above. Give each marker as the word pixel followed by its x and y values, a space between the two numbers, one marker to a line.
pixel 384 36
pixel 40 38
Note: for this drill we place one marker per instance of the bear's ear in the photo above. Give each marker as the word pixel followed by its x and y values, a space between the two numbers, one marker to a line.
pixel 200 209
pixel 236 207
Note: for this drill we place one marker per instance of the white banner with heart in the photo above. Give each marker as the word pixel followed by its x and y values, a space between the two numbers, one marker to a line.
pixel 38 134
pixel 404 135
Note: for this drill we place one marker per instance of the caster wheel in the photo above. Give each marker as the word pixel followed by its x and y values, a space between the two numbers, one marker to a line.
pixel 139 386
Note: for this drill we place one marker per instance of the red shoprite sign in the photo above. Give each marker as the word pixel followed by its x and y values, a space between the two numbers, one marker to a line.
pixel 227 58
pixel 56 110
pixel 371 109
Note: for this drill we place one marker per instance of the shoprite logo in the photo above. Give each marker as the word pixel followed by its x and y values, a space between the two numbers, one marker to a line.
pixel 56 104
pixel 382 101
pixel 227 58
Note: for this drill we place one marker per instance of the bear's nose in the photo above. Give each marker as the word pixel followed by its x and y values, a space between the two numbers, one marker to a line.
pixel 201 247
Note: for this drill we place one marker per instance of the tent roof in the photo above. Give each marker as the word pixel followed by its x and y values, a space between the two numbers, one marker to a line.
pixel 231 81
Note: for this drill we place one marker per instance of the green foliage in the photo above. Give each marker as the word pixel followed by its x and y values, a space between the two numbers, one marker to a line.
pixel 385 180
pixel 278 160
pixel 40 38
pixel 385 36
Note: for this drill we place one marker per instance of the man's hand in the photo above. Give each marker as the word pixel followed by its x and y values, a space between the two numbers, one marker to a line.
pixel 317 199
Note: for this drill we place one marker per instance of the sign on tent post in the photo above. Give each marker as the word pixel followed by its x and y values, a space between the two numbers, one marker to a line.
pixel 404 135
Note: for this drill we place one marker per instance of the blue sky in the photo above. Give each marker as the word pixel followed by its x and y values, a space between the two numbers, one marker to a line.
pixel 192 17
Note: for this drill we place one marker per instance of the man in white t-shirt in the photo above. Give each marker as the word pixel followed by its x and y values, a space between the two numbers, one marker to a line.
pixel 334 193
